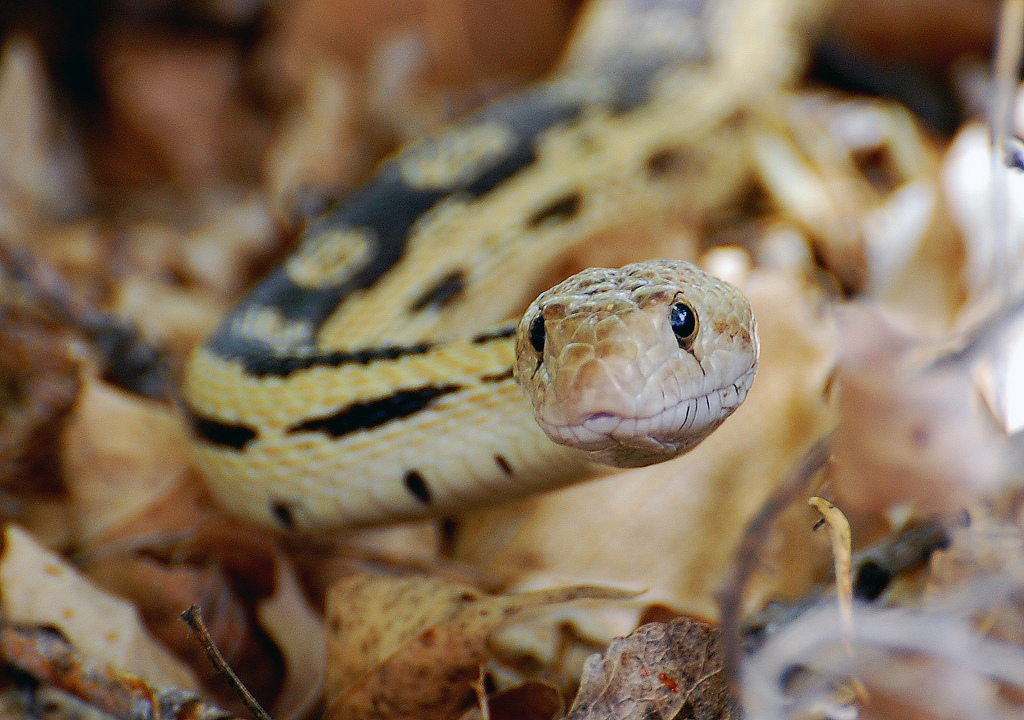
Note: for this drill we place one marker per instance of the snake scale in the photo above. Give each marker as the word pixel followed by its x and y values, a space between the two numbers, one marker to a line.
pixel 371 377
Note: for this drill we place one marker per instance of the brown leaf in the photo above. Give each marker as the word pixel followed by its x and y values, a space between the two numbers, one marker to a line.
pixel 532 700
pixel 909 433
pixel 659 671
pixel 412 647
pixel 37 177
pixel 299 633
pixel 105 690
pixel 40 588
pixel 120 453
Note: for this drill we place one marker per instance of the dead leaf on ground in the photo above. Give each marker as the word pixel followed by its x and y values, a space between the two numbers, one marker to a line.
pixel 659 671
pixel 37 178
pixel 909 434
pixel 412 647
pixel 532 700
pixel 121 453
pixel 40 588
pixel 81 687
pixel 299 633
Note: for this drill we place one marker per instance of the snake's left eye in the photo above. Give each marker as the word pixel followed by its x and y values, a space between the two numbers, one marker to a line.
pixel 537 334
pixel 683 320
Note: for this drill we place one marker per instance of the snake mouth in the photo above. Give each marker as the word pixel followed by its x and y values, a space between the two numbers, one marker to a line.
pixel 634 441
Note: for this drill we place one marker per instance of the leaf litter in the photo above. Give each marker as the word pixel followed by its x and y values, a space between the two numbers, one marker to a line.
pixel 883 275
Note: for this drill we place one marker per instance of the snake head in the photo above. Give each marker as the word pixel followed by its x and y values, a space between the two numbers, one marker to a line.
pixel 638 364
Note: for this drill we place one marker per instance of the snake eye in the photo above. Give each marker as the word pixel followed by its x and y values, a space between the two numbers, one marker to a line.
pixel 684 323
pixel 537 333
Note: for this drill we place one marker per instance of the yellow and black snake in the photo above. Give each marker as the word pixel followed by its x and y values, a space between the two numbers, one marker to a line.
pixel 368 378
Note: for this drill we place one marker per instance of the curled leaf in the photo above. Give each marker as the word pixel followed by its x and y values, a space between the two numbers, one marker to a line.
pixel 659 671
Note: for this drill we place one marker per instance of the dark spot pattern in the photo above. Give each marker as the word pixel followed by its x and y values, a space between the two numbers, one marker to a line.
pixel 441 293
pixel 416 484
pixel 497 377
pixel 389 208
pixel 221 434
pixel 499 333
pixel 504 464
pixel 283 514
pixel 285 365
pixel 374 413
pixel 559 211
pixel 665 162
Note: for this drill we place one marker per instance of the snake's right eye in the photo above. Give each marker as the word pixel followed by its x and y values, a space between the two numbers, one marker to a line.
pixel 684 323
pixel 537 334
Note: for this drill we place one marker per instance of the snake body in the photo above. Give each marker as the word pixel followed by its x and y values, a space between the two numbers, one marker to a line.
pixel 366 380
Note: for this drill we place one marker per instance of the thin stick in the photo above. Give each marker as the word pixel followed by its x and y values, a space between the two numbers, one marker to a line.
pixel 730 602
pixel 842 554
pixel 1006 70
pixel 194 619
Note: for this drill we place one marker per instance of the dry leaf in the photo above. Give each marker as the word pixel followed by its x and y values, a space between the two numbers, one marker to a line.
pixel 412 647
pixel 98 689
pixel 315 148
pixel 36 177
pixel 530 701
pixel 40 382
pixel 299 633
pixel 175 106
pixel 659 671
pixel 908 434
pixel 170 317
pixel 40 588
pixel 121 453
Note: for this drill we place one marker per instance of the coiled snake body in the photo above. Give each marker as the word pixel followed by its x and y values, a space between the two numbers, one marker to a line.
pixel 365 381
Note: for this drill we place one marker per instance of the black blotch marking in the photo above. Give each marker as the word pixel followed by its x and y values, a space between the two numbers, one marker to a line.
pixel 283 514
pixel 285 365
pixel 497 377
pixel 441 293
pixel 667 162
pixel 560 211
pixel 871 581
pixel 222 434
pixel 417 485
pixel 504 464
pixel 373 413
pixel 500 333
pixel 389 209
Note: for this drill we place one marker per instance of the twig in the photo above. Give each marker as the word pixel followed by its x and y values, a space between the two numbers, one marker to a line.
pixel 1006 71
pixel 748 551
pixel 194 619
pixel 842 553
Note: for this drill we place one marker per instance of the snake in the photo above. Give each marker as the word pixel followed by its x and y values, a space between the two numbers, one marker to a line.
pixel 379 373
